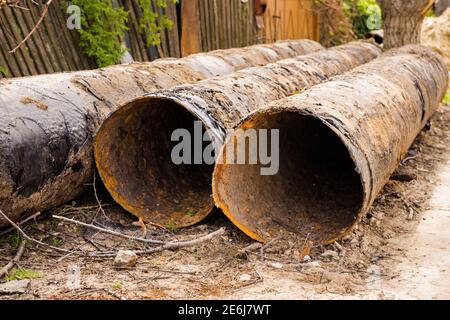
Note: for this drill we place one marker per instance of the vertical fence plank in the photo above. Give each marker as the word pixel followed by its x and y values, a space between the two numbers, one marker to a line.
pixel 70 54
pixel 11 63
pixel 31 43
pixel 54 42
pixel 46 45
pixel 201 5
pixel 291 19
pixel 173 37
pixel 3 65
pixel 40 41
pixel 163 45
pixel 229 22
pixel 191 34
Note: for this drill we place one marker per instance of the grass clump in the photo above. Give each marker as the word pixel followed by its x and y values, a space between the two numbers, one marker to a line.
pixel 22 274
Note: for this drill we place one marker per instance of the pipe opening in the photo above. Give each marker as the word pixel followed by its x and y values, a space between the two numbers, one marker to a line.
pixel 316 193
pixel 134 156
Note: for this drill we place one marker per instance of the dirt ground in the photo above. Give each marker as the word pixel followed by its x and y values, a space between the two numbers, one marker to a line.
pixel 401 249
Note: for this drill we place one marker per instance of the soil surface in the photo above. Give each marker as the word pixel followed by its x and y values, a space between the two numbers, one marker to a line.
pixel 401 249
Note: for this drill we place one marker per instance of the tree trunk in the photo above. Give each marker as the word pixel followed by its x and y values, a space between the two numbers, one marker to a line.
pixel 402 21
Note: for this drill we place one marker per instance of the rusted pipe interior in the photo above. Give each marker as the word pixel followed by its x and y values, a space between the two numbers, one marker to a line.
pixel 133 156
pixel 316 192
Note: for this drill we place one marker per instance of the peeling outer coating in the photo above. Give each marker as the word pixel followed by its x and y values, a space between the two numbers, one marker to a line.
pixel 340 141
pixel 133 146
pixel 47 122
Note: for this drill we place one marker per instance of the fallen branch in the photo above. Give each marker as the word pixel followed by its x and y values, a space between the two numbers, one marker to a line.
pixel 4 271
pixel 111 232
pixel 43 14
pixel 97 198
pixel 171 245
pixel 164 246
pixel 264 247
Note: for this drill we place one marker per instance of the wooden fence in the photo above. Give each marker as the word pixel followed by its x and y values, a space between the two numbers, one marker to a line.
pixel 52 47
pixel 291 19
pixel 220 24
pixel 227 23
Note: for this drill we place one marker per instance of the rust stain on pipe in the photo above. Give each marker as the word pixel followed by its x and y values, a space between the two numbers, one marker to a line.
pixel 340 142
pixel 46 154
pixel 133 146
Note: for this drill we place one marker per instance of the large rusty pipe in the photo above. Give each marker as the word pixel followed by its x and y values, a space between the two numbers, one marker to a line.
pixel 133 147
pixel 339 143
pixel 47 122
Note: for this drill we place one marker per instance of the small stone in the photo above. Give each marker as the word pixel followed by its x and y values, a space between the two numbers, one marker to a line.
pixel 330 254
pixel 313 264
pixel 125 259
pixel 306 258
pixel 245 277
pixel 410 215
pixel 276 265
pixel 14 287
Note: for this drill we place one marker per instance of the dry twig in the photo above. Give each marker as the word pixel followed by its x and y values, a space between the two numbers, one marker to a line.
pixel 264 247
pixel 97 198
pixel 4 271
pixel 163 245
pixel 171 245
pixel 111 232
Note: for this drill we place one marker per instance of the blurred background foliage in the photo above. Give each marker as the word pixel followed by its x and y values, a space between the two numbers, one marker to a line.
pixel 346 20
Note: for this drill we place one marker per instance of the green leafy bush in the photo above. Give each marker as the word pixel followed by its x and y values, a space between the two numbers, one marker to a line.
pixel 365 15
pixel 102 26
pixel 152 23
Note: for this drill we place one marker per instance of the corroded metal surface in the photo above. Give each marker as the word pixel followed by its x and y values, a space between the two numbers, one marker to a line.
pixel 47 122
pixel 339 143
pixel 133 146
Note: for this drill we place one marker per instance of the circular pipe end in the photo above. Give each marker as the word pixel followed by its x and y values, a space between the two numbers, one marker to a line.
pixel 133 154
pixel 316 193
